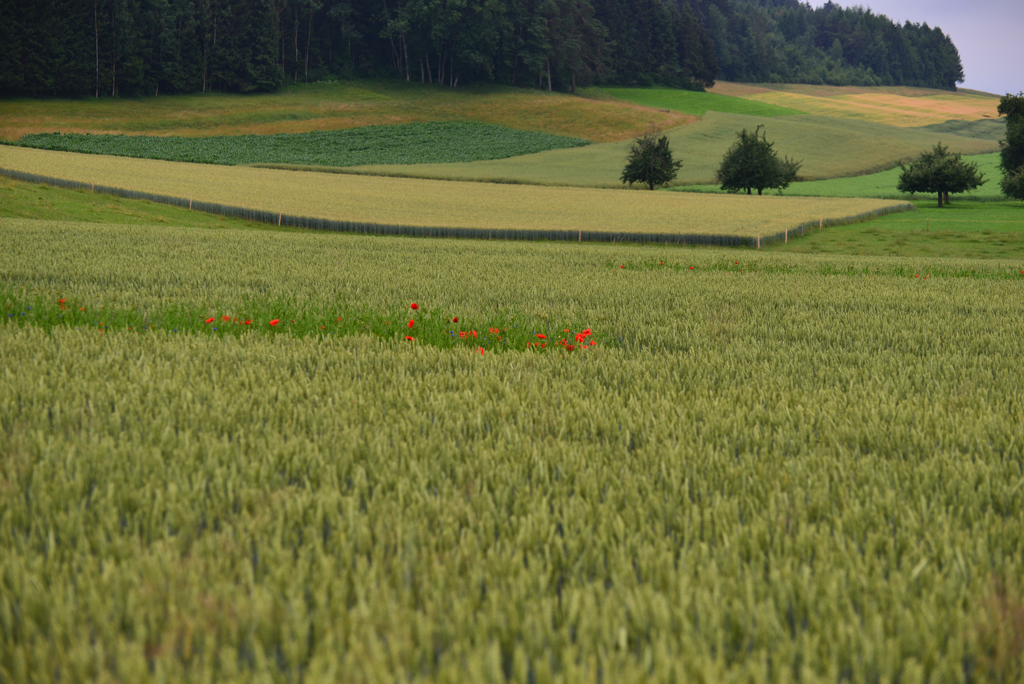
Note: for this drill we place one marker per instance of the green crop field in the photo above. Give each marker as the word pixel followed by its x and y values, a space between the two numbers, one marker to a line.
pixel 690 102
pixel 399 144
pixel 881 185
pixel 769 467
pixel 829 148
pixel 232 452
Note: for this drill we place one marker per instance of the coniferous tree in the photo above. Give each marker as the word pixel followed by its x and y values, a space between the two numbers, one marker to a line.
pixel 149 47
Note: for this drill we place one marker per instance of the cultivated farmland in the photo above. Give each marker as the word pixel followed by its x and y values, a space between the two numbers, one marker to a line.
pixel 787 468
pixel 399 144
pixel 335 106
pixel 414 202
pixel 896 106
pixel 829 147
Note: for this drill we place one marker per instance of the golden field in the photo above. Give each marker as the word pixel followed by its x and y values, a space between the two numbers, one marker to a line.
pixel 335 106
pixel 417 202
pixel 896 106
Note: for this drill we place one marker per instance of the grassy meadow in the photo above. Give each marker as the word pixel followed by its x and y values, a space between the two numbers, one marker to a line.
pixel 881 185
pixel 415 202
pixel 977 230
pixel 232 452
pixel 692 102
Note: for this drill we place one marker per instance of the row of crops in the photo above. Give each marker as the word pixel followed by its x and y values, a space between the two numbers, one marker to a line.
pixel 770 468
pixel 439 141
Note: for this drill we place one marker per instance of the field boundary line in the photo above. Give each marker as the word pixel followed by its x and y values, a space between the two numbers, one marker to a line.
pixel 359 227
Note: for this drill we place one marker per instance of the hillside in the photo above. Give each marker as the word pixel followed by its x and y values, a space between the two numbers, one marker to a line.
pixel 837 132
pixel 829 147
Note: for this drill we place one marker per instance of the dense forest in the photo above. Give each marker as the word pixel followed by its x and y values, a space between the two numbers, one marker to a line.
pixel 151 47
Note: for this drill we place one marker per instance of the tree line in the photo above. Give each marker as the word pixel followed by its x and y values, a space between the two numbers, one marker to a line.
pixel 148 47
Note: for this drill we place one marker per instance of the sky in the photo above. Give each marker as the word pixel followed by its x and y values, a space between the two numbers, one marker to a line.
pixel 988 33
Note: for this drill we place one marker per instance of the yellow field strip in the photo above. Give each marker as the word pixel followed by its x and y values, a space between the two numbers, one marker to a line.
pixel 416 202
pixel 905 107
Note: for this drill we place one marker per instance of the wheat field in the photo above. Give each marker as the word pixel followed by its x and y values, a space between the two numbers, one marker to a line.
pixel 417 202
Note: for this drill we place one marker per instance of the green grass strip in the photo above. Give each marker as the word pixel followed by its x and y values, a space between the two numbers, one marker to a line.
pixel 696 103
pixel 409 326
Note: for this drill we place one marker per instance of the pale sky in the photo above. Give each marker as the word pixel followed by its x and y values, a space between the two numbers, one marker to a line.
pixel 988 33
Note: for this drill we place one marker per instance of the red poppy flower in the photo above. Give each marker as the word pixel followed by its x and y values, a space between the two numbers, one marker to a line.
pixel 275 321
pixel 455 319
pixel 542 336
pixel 83 308
pixel 62 301
pixel 411 322
pixel 481 350
pixel 414 306
pixel 580 337
pixel 622 266
pixel 586 332
pixel 248 322
pixel 409 338
pixel 691 268
pixel 462 333
pixel 735 262
pixel 226 318
pixel 210 319
pixel 473 333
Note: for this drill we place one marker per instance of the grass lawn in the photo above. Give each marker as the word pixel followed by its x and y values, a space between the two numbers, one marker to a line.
pixel 965 229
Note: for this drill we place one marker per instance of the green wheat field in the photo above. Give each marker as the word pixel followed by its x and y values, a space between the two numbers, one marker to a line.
pixel 236 453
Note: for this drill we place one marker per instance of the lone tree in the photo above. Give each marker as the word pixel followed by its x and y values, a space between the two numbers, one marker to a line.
pixel 1011 152
pixel 941 172
pixel 650 161
pixel 752 163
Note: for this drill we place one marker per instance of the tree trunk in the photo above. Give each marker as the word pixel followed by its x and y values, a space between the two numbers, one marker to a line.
pixel 947 197
pixel 296 41
pixel 574 83
pixel 96 26
pixel 405 49
pixel 940 200
pixel 759 191
pixel 748 191
pixel 309 36
pixel 549 74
